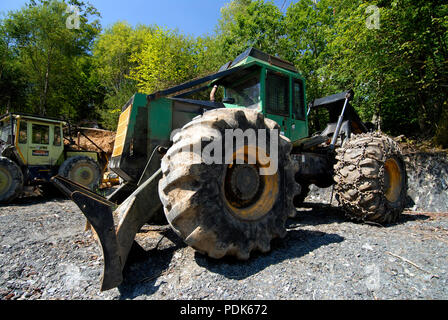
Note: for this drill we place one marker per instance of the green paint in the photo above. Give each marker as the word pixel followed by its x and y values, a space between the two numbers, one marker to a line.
pixel 292 128
pixel 160 115
pixel 36 143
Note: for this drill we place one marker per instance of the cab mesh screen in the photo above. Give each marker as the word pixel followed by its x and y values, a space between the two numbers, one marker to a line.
pixel 277 94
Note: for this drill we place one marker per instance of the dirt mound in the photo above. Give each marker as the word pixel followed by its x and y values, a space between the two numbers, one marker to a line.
pixel 102 138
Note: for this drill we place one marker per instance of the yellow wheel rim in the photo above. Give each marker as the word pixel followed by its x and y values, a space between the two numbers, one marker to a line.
pixel 248 194
pixel 5 180
pixel 393 180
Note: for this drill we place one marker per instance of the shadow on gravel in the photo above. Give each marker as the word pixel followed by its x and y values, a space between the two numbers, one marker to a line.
pixel 315 214
pixel 145 266
pixel 406 217
pixel 296 244
pixel 28 201
pixel 35 199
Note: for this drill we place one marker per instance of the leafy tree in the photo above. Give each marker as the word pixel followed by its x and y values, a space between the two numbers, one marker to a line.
pixel 398 69
pixel 309 29
pixel 168 58
pixel 246 23
pixel 12 82
pixel 51 55
pixel 112 52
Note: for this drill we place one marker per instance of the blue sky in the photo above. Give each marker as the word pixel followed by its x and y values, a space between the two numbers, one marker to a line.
pixel 193 17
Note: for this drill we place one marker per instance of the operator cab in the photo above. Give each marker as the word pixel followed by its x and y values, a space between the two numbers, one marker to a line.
pixel 269 85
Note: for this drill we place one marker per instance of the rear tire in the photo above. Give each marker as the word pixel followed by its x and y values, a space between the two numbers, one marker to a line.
pixel 11 180
pixel 371 180
pixel 212 207
pixel 83 170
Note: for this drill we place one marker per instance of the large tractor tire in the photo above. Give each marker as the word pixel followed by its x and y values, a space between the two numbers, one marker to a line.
pixel 11 180
pixel 83 170
pixel 371 180
pixel 229 208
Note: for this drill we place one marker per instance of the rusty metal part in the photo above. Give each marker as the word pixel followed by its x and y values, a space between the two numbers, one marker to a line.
pixel 393 179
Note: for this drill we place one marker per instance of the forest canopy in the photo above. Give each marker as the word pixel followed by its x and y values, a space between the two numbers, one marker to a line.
pixel 392 53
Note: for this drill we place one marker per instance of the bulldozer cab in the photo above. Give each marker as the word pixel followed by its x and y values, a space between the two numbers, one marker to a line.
pixel 36 141
pixel 270 85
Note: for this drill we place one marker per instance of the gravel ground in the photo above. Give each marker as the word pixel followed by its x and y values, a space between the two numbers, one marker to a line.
pixel 46 254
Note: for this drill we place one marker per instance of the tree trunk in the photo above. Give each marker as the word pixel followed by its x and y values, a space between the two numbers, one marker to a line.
pixel 46 85
pixel 44 100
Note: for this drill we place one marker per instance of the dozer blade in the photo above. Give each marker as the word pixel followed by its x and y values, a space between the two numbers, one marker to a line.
pixel 115 239
pixel 99 215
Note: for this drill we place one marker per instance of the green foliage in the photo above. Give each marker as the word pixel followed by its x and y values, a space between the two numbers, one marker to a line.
pixel 246 23
pixel 49 63
pixel 167 58
pixel 399 72
pixel 441 136
pixel 112 53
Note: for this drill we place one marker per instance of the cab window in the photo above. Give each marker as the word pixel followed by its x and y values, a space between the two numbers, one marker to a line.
pixel 57 141
pixel 5 132
pixel 247 92
pixel 23 134
pixel 277 94
pixel 298 100
pixel 41 134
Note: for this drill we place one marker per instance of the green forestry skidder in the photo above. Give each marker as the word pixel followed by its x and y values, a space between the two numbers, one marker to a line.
pixel 32 151
pixel 233 206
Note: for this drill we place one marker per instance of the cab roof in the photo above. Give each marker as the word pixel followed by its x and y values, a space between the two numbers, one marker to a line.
pixel 31 117
pixel 259 55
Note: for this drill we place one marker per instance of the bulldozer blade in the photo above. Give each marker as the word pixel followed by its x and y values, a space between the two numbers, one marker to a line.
pixel 99 215
pixel 135 211
pixel 132 214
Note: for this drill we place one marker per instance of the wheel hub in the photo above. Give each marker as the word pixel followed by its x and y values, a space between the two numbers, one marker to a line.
pixel 82 175
pixel 244 181
pixel 248 194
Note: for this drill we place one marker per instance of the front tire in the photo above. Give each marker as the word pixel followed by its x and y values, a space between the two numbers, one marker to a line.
pixel 226 209
pixel 83 170
pixel 11 180
pixel 371 179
